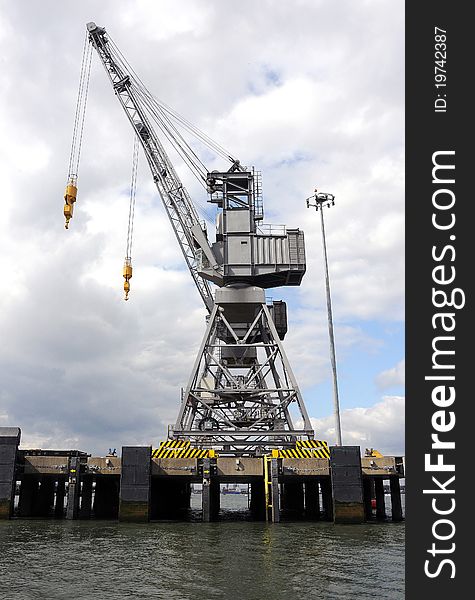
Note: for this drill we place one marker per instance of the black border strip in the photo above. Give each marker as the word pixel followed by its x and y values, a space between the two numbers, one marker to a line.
pixel 427 132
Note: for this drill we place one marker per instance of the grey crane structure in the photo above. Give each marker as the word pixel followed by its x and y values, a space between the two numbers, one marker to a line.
pixel 241 391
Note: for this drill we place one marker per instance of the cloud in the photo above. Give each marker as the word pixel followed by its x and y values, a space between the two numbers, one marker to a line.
pixel 380 426
pixel 81 367
pixel 392 377
pixel 307 344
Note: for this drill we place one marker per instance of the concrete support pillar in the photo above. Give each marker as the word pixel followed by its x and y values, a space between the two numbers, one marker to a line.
pixel 210 496
pixel 292 499
pixel 135 482
pixel 74 488
pixel 275 496
pixel 257 504
pixel 327 498
pixel 215 495
pixel 45 499
pixel 312 500
pixel 9 442
pixel 380 504
pixel 205 494
pixel 29 488
pixel 86 498
pixel 367 498
pixel 106 497
pixel 347 485
pixel 59 501
pixel 396 505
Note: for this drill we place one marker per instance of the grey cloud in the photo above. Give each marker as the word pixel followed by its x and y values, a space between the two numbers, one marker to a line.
pixel 80 367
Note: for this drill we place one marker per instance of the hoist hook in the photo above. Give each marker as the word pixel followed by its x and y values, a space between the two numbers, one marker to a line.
pixel 69 198
pixel 127 273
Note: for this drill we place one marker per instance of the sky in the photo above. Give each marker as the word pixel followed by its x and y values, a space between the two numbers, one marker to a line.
pixel 312 94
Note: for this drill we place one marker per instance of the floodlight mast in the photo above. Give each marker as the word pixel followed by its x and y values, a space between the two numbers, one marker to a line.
pixel 240 393
pixel 326 200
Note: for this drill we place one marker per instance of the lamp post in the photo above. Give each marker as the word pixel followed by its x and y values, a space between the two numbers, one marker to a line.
pixel 322 200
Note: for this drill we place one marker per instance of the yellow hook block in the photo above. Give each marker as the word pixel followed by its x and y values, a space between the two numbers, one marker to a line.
pixel 127 273
pixel 70 198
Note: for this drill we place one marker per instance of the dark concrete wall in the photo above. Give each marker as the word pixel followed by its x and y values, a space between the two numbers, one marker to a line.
pixel 9 441
pixel 347 484
pixel 135 483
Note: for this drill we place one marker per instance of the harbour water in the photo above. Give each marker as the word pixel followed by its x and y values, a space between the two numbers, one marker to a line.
pixel 232 559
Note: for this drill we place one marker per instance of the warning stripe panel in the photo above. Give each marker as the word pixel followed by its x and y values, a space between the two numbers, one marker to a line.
pixel 175 444
pixel 304 453
pixel 179 452
pixel 312 444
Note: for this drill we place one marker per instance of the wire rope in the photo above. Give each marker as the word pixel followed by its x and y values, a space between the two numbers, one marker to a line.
pixel 133 190
pixel 185 123
pixel 79 117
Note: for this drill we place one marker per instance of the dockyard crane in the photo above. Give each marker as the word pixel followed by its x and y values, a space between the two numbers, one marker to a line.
pixel 241 390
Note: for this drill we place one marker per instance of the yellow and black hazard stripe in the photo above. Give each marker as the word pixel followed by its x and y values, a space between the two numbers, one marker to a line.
pixel 321 452
pixel 181 453
pixel 175 444
pixel 180 449
pixel 302 452
pixel 312 444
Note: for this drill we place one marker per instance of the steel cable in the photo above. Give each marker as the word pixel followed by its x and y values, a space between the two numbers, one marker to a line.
pixel 79 117
pixel 133 188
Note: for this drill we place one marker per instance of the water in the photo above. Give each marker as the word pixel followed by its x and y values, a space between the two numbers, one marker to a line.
pixel 102 560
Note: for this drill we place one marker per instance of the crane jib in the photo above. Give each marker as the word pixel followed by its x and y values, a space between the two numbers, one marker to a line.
pixel 180 210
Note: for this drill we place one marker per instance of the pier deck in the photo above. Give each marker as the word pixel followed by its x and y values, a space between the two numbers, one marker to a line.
pixel 135 486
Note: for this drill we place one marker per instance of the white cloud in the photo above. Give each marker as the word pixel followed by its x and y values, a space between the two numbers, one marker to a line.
pixel 380 426
pixel 393 376
pixel 307 344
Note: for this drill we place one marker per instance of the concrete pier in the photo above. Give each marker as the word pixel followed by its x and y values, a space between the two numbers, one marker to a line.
pixel 136 487
pixel 9 442
pixel 347 484
pixel 135 484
